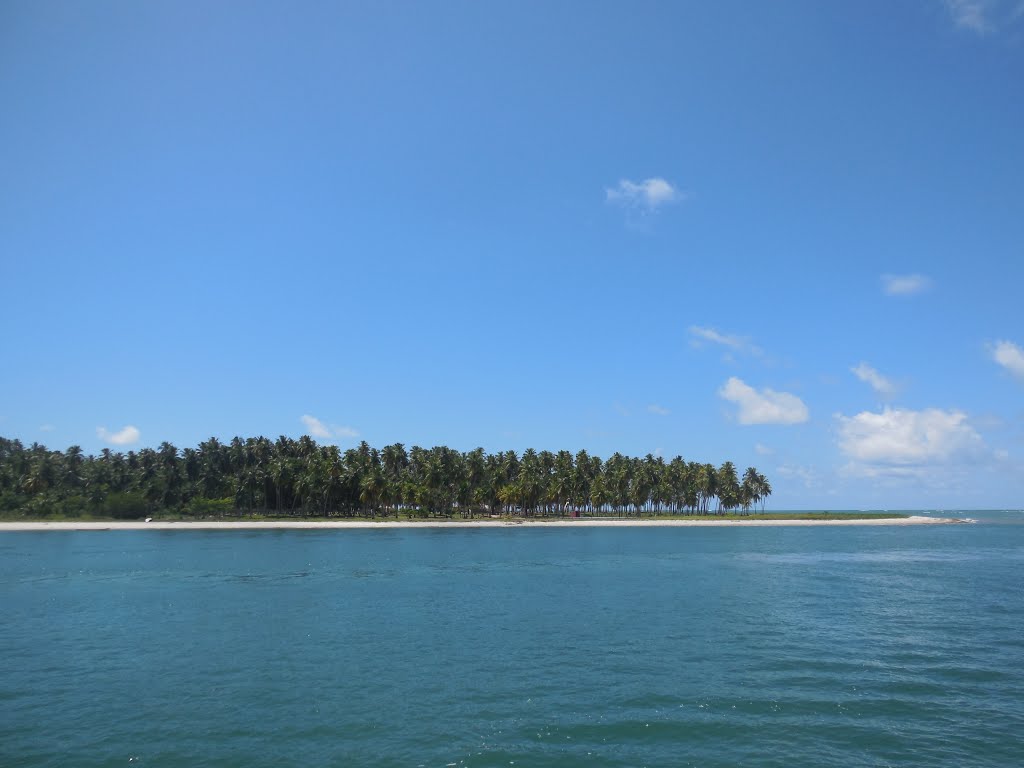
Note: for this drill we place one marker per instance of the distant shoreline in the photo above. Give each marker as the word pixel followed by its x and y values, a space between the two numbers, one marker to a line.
pixel 253 525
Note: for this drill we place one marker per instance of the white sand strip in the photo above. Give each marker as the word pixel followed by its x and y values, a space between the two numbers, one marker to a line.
pixel 249 525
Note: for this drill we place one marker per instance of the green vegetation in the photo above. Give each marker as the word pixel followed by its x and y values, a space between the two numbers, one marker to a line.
pixel 297 478
pixel 800 516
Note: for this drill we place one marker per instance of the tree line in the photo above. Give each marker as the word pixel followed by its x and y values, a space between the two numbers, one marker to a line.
pixel 287 477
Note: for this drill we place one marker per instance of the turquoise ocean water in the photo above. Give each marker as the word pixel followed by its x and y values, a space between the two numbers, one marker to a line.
pixel 851 646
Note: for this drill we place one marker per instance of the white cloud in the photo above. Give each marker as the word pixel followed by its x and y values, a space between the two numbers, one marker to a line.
pixel 984 16
pixel 899 442
pixel 710 334
pixel 878 382
pixel 700 334
pixel 47 428
pixel 763 450
pixel 649 194
pixel 971 14
pixel 905 285
pixel 1010 356
pixel 125 436
pixel 657 410
pixel 317 428
pixel 764 406
pixel 806 475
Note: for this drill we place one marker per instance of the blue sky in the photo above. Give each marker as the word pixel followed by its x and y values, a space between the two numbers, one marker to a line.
pixel 786 234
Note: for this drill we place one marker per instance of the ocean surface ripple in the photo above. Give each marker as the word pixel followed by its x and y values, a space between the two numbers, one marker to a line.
pixel 884 646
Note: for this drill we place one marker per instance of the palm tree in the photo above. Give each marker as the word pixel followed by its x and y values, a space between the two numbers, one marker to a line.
pixel 474 489
pixel 598 494
pixel 73 461
pixel 583 477
pixel 728 486
pixel 560 489
pixel 764 489
pixel 371 491
pixel 749 490
pixel 281 475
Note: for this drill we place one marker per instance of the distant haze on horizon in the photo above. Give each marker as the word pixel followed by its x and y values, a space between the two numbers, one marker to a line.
pixel 788 235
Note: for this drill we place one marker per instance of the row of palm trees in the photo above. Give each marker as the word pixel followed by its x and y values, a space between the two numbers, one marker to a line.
pixel 299 477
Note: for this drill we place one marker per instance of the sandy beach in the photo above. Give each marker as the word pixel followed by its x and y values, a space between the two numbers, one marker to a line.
pixel 249 525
